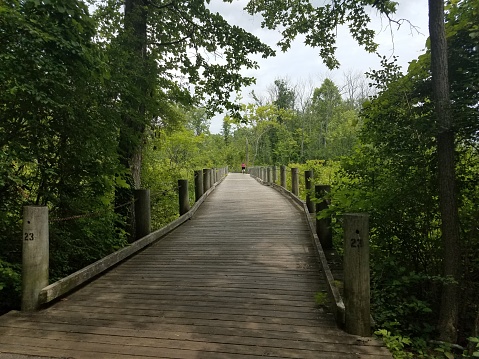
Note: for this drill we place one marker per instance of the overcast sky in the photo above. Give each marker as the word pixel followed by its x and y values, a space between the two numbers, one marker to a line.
pixel 303 64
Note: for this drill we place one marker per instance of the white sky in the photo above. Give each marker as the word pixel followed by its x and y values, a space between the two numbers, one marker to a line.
pixel 303 64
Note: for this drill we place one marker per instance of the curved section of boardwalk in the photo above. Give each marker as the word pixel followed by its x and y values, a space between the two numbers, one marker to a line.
pixel 237 281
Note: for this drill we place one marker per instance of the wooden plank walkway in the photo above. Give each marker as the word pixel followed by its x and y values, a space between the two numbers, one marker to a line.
pixel 236 281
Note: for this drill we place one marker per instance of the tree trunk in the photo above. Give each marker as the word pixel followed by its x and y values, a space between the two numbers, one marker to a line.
pixel 136 166
pixel 448 317
pixel 136 17
pixel 472 347
pixel 134 95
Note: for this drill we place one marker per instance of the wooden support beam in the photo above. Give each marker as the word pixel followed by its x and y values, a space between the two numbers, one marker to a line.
pixel 295 181
pixel 35 255
pixel 142 213
pixel 356 274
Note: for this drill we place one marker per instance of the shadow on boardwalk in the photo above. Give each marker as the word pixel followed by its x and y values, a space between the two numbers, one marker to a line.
pixel 236 281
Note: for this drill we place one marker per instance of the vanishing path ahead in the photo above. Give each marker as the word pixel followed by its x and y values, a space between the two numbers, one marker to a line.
pixel 236 281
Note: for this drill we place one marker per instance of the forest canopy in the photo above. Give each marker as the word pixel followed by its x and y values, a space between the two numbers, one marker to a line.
pixel 95 105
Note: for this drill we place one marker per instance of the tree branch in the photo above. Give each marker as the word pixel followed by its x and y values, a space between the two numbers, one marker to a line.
pixel 149 2
pixel 172 42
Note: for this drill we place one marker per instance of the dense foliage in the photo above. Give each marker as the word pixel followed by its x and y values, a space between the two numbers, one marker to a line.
pixel 92 106
pixel 57 143
pixel 81 95
pixel 388 167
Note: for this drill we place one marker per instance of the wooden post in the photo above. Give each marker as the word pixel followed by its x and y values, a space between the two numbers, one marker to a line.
pixel 275 174
pixel 282 176
pixel 356 274
pixel 269 174
pixel 35 256
pixel 198 184
pixel 142 213
pixel 308 179
pixel 183 196
pixel 206 181
pixel 323 225
pixel 295 181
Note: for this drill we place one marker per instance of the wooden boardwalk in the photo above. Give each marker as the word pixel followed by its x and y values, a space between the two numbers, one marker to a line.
pixel 236 281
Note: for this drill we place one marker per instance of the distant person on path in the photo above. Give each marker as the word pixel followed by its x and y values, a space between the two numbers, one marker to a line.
pixel 243 167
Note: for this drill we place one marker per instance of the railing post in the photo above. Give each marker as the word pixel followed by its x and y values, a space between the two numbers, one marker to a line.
pixel 356 274
pixel 294 181
pixel 275 174
pixel 35 255
pixel 269 174
pixel 323 225
pixel 206 181
pixel 183 196
pixel 198 184
pixel 282 176
pixel 142 213
pixel 308 179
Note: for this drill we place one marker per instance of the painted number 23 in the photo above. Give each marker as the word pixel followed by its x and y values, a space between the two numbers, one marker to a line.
pixel 356 242
pixel 29 237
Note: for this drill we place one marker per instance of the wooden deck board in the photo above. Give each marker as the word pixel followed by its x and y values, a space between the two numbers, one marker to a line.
pixel 236 281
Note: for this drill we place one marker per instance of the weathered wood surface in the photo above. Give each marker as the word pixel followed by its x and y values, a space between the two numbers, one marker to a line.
pixel 236 281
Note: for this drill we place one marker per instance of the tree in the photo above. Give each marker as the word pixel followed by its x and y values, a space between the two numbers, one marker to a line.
pixel 199 121
pixel 261 120
pixel 448 318
pixel 400 119
pixel 58 134
pixel 172 45
pixel 166 54
pixel 282 97
pixel 325 106
pixel 356 89
pixel 318 24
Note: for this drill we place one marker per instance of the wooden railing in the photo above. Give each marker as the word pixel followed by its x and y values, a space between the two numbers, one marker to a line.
pixel 354 312
pixel 35 288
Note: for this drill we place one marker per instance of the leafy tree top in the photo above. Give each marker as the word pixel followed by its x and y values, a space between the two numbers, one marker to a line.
pixel 319 23
pixel 195 50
